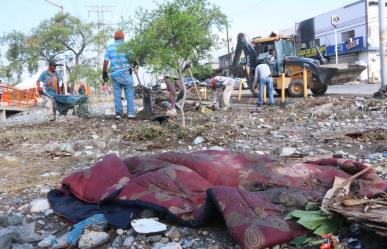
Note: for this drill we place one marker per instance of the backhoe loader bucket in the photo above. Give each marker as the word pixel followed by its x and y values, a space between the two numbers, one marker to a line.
pixel 340 73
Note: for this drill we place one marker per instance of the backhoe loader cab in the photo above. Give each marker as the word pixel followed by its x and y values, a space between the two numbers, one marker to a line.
pixel 274 50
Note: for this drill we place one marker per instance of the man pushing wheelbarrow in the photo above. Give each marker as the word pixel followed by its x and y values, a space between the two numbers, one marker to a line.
pixel 51 89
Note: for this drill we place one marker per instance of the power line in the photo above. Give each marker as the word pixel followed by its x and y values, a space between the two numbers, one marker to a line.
pixel 100 11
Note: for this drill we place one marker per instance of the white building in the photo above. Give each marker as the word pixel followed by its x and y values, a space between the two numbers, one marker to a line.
pixel 357 36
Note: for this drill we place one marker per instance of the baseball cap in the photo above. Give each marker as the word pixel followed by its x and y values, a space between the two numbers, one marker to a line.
pixel 119 35
pixel 53 63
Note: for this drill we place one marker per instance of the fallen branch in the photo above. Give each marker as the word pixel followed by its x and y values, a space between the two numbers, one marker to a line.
pixel 10 142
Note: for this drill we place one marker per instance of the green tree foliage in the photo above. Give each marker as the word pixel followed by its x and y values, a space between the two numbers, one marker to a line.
pixel 201 71
pixel 53 37
pixel 175 33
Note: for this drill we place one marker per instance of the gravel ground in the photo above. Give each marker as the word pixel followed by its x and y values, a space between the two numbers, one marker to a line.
pixel 36 154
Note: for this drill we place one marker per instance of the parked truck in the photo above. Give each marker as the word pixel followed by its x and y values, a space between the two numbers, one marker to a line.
pixel 279 53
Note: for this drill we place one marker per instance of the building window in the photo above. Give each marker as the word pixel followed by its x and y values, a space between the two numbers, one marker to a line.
pixel 345 36
pixel 317 42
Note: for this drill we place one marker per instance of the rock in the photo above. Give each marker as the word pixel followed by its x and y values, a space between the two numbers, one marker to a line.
pixel 94 136
pixel 339 154
pixel 47 242
pixel 185 243
pixel 24 246
pixel 154 238
pixel 10 220
pixel 48 174
pixel 198 140
pixel 91 239
pixel 6 240
pixel 39 205
pixel 325 108
pixel 173 234
pixel 50 147
pixel 45 190
pixel 19 234
pixel 146 226
pixel 216 246
pixel 164 240
pixel 288 151
pixel 217 148
pixel 374 156
pixel 114 127
pixel 171 245
pixel 48 212
pixel 128 241
pixel 117 242
pixel 120 231
pixel 241 146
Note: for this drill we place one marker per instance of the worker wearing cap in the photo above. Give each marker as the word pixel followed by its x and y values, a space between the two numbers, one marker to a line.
pixel 50 79
pixel 121 74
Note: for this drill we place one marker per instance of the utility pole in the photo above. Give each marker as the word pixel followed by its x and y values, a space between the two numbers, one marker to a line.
pixel 382 45
pixel 228 51
pixel 100 11
pixel 63 54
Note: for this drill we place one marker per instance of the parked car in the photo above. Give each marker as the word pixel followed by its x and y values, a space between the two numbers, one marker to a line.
pixel 159 84
pixel 188 82
pixel 237 82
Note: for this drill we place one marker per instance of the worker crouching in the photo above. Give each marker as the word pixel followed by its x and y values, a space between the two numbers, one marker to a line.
pixel 221 89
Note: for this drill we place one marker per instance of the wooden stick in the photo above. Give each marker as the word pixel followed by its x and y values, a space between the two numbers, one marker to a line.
pixel 10 142
pixel 283 88
pixel 240 89
pixel 196 89
pixel 349 180
pixel 305 74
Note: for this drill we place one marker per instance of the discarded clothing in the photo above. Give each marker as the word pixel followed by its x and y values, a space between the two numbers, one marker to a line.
pixel 251 192
pixel 71 238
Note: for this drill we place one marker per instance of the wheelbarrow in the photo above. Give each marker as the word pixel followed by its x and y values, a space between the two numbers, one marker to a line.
pixel 64 103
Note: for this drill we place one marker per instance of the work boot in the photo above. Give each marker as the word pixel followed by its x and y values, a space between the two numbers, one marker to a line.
pixel 131 116
pixel 118 115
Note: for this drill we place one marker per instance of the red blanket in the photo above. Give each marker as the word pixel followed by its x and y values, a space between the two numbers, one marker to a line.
pixel 252 193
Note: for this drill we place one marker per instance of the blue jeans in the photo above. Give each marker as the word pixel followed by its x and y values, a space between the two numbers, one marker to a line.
pixel 268 81
pixel 123 81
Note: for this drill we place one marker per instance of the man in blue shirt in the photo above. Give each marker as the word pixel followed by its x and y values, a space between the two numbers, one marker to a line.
pixel 51 87
pixel 121 74
pixel 50 79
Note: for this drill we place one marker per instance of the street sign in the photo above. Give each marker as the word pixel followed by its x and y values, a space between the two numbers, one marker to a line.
pixel 335 20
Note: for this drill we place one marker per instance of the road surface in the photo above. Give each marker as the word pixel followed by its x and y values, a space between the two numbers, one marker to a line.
pixel 353 89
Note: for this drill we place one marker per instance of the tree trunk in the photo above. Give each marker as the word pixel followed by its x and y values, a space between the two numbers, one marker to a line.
pixel 147 100
pixel 146 97
pixel 180 105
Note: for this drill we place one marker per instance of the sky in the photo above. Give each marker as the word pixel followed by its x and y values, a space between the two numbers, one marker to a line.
pixel 252 17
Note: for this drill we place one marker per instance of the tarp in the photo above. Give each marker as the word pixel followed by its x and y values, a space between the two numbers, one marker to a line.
pixel 30 82
pixel 252 193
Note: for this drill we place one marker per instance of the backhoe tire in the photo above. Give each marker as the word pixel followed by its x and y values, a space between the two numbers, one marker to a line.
pixel 319 91
pixel 296 88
